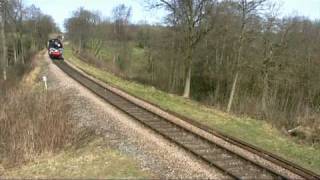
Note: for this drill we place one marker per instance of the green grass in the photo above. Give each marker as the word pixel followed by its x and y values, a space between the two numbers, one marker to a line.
pixel 93 160
pixel 107 52
pixel 109 49
pixel 252 131
pixel 137 56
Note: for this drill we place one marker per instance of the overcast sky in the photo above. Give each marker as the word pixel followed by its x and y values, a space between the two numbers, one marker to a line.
pixel 62 9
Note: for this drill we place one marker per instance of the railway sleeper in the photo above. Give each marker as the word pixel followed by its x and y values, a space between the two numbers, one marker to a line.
pixel 119 103
pixel 209 152
pixel 250 173
pixel 195 146
pixel 161 122
pixel 141 117
pixel 199 141
pixel 146 115
pixel 133 111
pixel 169 131
pixel 116 102
pixel 112 97
pixel 256 170
pixel 181 137
pixel 194 143
pixel 255 176
pixel 217 158
pixel 178 137
pixel 130 108
pixel 231 164
pixel 160 125
pixel 148 119
pixel 186 138
pixel 155 121
pixel 243 173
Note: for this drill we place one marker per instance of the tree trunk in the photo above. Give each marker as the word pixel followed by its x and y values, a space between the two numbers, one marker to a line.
pixel 114 60
pixel 235 81
pixel 171 83
pixel 265 93
pixel 173 71
pixel 188 61
pixel 3 44
pixel 186 92
pixel 15 54
pixel 80 46
pixel 216 92
pixel 239 56
pixel 22 53
pixel 151 63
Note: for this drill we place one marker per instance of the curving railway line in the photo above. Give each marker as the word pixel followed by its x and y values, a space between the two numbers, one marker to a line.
pixel 231 163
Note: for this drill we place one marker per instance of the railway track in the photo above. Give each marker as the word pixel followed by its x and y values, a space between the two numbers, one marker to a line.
pixel 231 163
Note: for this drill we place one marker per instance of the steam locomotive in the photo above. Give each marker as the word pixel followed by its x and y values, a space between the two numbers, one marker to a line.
pixel 55 49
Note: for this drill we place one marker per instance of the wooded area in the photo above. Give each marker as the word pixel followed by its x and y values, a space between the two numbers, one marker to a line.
pixel 24 31
pixel 239 56
pixel 31 121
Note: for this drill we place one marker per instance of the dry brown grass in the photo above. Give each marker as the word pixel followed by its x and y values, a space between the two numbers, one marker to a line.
pixel 32 123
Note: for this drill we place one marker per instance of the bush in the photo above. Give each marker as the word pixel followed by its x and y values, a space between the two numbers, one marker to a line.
pixel 32 123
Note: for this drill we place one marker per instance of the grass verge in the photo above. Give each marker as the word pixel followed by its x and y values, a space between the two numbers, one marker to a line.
pixel 92 160
pixel 250 130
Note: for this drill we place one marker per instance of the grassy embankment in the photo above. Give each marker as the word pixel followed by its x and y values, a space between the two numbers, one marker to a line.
pixel 40 139
pixel 250 130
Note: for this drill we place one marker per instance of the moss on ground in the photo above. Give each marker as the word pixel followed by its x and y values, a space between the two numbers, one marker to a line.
pixel 94 160
pixel 255 132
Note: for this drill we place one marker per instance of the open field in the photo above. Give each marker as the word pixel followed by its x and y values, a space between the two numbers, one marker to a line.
pixel 252 131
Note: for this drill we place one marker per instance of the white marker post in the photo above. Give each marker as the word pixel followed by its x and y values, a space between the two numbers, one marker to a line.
pixel 44 78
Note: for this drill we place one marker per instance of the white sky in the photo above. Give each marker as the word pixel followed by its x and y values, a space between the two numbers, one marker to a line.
pixel 309 8
pixel 62 9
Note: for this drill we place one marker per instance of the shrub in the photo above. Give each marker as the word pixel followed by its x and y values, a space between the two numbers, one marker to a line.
pixel 32 123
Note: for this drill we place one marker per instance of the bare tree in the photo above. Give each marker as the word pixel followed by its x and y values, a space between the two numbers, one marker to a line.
pixel 247 8
pixel 80 26
pixel 121 16
pixel 192 17
pixel 270 46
